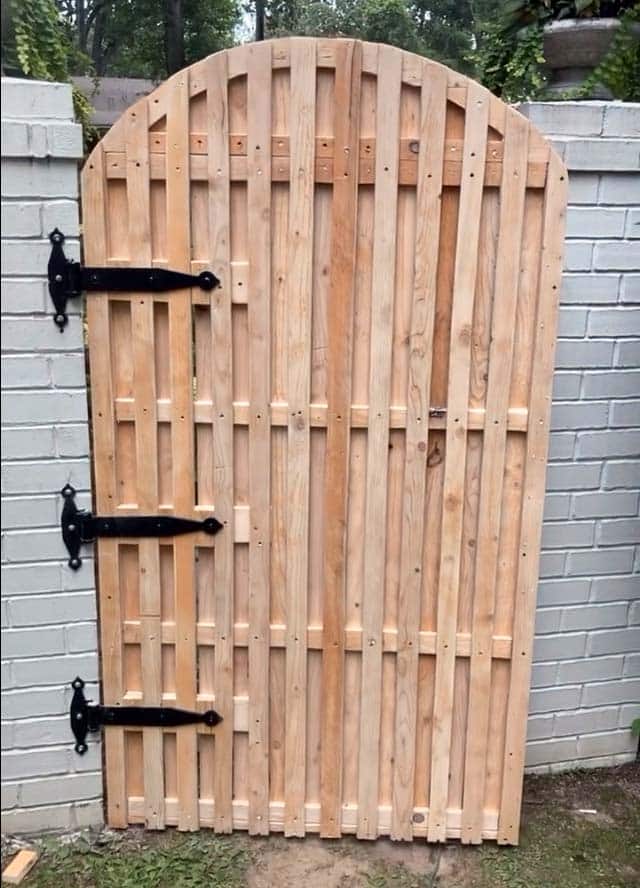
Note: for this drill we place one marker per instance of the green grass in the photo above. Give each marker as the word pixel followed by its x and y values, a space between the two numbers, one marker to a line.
pixel 397 876
pixel 172 861
pixel 559 853
pixel 561 846
pixel 566 849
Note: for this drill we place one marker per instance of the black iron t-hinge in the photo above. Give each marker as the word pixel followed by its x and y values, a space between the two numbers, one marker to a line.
pixel 79 526
pixel 86 718
pixel 68 279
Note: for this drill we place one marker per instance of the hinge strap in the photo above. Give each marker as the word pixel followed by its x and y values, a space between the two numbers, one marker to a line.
pixel 79 526
pixel 87 718
pixel 68 279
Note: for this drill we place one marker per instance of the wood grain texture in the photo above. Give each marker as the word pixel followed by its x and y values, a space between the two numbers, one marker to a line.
pixel 223 476
pixel 475 137
pixel 432 130
pixel 95 231
pixel 493 468
pixel 532 499
pixel 339 327
pixel 182 443
pixel 259 234
pixel 144 358
pixel 363 403
pixel 382 298
pixel 298 308
pixel 20 866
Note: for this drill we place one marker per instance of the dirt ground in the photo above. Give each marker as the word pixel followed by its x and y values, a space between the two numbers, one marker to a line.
pixel 580 830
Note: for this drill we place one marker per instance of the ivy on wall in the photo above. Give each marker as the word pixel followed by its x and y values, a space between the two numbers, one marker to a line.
pixel 44 51
pixel 510 55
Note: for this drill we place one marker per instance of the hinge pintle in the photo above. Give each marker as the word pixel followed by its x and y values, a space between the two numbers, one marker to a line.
pixel 68 279
pixel 86 718
pixel 80 526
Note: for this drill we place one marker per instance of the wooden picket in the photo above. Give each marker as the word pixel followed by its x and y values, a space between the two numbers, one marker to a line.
pixel 363 403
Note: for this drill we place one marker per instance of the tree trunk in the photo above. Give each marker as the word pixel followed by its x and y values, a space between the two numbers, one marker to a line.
pixel 174 36
pixel 259 19
pixel 81 25
pixel 101 46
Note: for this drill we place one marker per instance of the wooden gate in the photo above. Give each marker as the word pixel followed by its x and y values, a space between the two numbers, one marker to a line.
pixel 363 403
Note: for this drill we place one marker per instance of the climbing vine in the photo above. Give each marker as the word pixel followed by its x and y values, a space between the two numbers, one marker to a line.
pixel 510 59
pixel 511 66
pixel 619 71
pixel 43 50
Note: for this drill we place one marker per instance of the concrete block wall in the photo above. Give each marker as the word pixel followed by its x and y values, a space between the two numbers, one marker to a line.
pixel 586 675
pixel 48 612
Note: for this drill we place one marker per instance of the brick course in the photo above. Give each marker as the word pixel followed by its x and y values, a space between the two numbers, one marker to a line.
pixel 587 659
pixel 586 675
pixel 48 613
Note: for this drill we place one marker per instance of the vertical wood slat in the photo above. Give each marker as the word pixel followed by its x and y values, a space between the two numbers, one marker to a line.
pixel 382 298
pixel 430 165
pixel 471 188
pixel 222 389
pixel 182 439
pixel 259 233
pixel 103 428
pixel 512 201
pixel 299 289
pixel 339 344
pixel 533 498
pixel 146 432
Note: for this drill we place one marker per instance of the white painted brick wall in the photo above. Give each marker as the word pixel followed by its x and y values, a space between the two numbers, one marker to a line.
pixel 586 674
pixel 586 679
pixel 48 612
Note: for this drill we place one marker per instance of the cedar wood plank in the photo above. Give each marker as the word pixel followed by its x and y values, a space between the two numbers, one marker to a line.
pixel 339 336
pixel 221 386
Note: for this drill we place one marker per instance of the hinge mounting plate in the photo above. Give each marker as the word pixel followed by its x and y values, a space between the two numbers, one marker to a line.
pixel 80 526
pixel 68 279
pixel 88 718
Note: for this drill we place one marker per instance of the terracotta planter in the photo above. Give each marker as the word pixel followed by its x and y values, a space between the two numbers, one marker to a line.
pixel 573 48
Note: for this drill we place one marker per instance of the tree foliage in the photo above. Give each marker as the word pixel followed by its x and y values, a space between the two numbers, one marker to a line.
pixel 149 38
pixel 133 38
pixel 387 21
pixel 155 38
pixel 444 30
pixel 36 42
pixel 510 54
pixel 498 42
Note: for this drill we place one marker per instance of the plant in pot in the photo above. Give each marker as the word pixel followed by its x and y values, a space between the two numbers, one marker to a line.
pixel 562 48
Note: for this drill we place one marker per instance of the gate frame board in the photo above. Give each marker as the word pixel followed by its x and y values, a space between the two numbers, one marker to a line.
pixel 363 403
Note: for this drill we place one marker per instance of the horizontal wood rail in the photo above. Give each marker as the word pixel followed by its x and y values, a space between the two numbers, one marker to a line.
pixel 517 417
pixel 116 168
pixel 206 634
pixel 203 702
pixel 325 147
pixel 206 809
